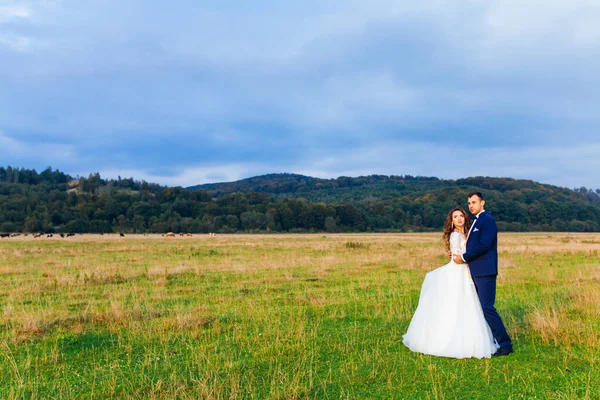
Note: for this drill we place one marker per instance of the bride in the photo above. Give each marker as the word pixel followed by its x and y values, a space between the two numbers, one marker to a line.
pixel 449 321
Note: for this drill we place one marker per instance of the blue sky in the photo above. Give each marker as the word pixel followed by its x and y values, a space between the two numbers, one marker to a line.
pixel 186 92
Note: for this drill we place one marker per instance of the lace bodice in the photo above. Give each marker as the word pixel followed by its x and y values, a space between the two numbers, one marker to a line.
pixel 458 243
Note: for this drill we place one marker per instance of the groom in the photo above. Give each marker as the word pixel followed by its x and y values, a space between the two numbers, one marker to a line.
pixel 482 256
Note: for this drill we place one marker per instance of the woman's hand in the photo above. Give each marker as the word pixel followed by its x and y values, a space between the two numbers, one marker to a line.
pixel 458 259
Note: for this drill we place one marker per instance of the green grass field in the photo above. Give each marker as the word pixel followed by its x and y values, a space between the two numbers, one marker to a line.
pixel 283 317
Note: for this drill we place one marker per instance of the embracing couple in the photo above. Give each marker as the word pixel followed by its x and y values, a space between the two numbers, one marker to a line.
pixel 456 315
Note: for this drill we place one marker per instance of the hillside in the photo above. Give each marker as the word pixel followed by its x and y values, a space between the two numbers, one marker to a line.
pixel 355 189
pixel 270 183
pixel 518 205
pixel 52 201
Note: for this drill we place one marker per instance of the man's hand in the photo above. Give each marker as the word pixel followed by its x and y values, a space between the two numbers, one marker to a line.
pixel 457 259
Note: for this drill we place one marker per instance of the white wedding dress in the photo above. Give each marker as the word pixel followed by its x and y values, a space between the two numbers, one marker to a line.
pixel 449 321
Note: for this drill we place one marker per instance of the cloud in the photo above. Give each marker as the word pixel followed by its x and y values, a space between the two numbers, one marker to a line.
pixel 402 158
pixel 16 43
pixel 160 88
pixel 11 11
pixel 190 176
pixel 29 155
pixel 10 14
pixel 543 163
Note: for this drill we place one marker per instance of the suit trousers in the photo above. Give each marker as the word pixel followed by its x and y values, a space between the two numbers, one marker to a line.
pixel 486 291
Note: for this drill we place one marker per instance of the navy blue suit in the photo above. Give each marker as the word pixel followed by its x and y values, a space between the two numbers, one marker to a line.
pixel 482 256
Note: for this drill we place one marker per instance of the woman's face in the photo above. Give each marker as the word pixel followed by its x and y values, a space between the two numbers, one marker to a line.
pixel 458 219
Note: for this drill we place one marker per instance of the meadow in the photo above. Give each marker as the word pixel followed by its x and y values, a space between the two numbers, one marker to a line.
pixel 283 317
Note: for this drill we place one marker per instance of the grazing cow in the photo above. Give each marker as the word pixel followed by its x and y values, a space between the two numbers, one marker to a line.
pixel 50 235
pixel 181 234
pixel 189 234
pixel 70 234
pixel 62 235
pixel 3 235
pixel 37 235
pixel 26 234
pixel 122 234
pixel 170 234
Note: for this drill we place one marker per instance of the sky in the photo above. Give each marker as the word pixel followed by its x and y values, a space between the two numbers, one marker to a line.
pixel 185 92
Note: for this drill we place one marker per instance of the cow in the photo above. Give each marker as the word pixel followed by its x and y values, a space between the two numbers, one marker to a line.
pixel 3 235
pixel 170 234
pixel 70 234
pixel 122 234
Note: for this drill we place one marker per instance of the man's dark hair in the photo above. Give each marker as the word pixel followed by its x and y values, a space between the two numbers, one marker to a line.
pixel 478 194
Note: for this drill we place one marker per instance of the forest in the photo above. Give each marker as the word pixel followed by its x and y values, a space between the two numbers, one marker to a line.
pixel 52 201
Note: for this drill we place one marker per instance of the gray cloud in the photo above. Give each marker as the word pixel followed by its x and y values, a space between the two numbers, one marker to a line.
pixel 179 91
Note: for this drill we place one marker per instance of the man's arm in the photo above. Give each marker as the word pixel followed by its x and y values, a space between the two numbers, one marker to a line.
pixel 489 231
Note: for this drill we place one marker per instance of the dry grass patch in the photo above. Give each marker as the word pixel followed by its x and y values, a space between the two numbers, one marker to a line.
pixel 547 323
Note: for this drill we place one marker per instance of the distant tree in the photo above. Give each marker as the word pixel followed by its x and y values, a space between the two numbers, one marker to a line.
pixel 286 217
pixel 350 217
pixel 252 220
pixel 139 225
pixel 233 222
pixel 576 226
pixel 206 224
pixel 330 225
pixel 100 226
pixel 32 224
pixel 76 226
pixel 8 227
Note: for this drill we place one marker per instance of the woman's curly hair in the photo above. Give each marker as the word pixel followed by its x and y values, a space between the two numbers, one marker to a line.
pixel 449 227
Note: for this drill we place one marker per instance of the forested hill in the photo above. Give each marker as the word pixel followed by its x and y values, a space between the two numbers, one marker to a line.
pixel 51 201
pixel 357 189
pixel 518 205
pixel 271 183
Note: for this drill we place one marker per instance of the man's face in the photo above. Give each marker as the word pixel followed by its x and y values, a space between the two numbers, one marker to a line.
pixel 475 204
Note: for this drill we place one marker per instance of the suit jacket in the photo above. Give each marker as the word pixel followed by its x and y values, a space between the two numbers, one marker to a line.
pixel 482 247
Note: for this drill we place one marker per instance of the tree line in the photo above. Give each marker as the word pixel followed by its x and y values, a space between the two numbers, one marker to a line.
pixel 52 201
